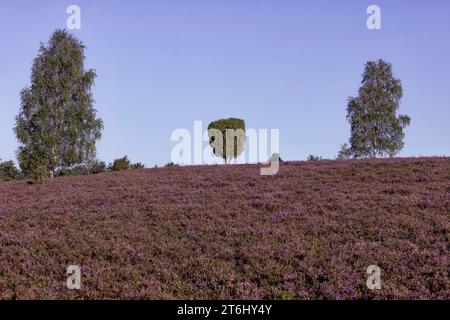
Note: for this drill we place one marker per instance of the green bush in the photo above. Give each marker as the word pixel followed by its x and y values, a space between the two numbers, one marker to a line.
pixel 170 165
pixel 79 170
pixel 63 172
pixel 314 158
pixel 120 164
pixel 138 165
pixel 9 171
pixel 98 167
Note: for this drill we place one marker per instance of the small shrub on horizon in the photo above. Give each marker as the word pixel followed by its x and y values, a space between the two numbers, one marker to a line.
pixel 120 164
pixel 138 165
pixel 123 164
pixel 312 157
pixel 171 165
pixel 98 167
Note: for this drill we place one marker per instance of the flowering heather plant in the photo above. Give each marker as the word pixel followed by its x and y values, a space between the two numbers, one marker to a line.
pixel 309 232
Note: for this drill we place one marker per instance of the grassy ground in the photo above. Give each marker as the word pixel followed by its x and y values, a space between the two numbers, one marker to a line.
pixel 224 232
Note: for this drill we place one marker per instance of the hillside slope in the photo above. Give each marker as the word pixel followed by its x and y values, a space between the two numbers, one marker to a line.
pixel 226 232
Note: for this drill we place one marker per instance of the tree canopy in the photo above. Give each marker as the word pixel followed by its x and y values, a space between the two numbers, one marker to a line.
pixel 57 124
pixel 376 130
pixel 227 138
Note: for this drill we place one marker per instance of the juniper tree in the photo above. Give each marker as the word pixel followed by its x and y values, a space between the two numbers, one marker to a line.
pixel 227 138
pixel 376 130
pixel 57 124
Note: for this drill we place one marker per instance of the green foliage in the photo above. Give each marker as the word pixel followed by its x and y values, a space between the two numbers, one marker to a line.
pixel 312 157
pixel 170 165
pixel 40 175
pixel 345 153
pixel 57 125
pixel 137 165
pixel 63 172
pixel 84 169
pixel 98 167
pixel 9 171
pixel 79 170
pixel 120 164
pixel 375 128
pixel 227 138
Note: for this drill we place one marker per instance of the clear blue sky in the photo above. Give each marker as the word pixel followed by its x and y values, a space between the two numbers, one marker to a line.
pixel 277 64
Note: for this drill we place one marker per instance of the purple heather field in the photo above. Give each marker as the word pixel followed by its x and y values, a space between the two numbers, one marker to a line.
pixel 225 232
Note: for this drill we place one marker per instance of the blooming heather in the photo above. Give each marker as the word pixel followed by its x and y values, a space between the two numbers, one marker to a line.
pixel 225 232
